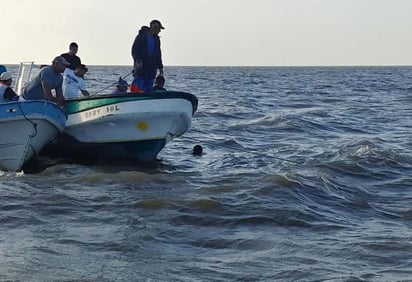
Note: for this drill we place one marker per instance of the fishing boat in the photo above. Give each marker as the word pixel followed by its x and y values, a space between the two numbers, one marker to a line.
pixel 129 126
pixel 26 127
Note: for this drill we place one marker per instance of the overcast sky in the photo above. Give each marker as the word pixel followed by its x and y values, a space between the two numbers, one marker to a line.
pixel 213 32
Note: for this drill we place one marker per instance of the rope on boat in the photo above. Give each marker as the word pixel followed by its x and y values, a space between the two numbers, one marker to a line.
pixel 107 87
pixel 29 120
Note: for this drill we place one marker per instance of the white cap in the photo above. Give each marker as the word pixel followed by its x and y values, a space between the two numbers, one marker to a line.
pixel 5 76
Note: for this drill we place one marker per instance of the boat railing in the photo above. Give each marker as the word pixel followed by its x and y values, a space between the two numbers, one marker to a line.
pixel 23 76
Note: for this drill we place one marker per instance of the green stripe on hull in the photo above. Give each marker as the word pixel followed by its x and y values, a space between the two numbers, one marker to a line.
pixel 78 106
pixel 89 103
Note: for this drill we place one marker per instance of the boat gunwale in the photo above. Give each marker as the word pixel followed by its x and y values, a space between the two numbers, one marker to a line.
pixel 35 113
pixel 126 97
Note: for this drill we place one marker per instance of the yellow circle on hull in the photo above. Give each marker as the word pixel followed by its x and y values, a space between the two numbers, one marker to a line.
pixel 142 125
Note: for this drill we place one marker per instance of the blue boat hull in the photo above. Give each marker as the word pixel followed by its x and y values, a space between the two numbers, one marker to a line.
pixel 26 127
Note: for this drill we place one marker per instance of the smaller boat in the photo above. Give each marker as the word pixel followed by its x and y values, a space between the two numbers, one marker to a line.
pixel 126 127
pixel 26 127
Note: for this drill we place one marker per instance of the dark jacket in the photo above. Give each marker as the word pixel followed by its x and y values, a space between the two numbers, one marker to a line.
pixel 140 53
pixel 72 59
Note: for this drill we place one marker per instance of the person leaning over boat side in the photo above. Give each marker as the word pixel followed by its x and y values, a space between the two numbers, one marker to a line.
pixel 71 56
pixel 7 94
pixel 49 78
pixel 159 85
pixel 147 57
pixel 73 81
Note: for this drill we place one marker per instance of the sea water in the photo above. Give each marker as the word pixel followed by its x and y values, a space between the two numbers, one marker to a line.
pixel 306 175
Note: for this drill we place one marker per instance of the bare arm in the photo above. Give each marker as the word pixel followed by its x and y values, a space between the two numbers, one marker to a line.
pixel 47 90
pixel 59 96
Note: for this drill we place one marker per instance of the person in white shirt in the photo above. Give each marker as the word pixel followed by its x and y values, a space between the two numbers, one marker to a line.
pixel 7 94
pixel 73 82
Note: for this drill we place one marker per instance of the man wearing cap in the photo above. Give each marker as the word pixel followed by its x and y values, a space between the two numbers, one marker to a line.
pixel 7 94
pixel 147 57
pixel 73 81
pixel 49 78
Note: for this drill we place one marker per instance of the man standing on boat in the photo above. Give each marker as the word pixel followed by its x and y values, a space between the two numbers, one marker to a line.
pixel 71 56
pixel 49 78
pixel 147 57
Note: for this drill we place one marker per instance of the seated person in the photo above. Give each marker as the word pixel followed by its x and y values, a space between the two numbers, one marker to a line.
pixel 73 81
pixel 121 86
pixel 159 84
pixel 7 94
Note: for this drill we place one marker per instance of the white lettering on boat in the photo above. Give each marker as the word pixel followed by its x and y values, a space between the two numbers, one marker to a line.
pixel 101 112
pixel 92 113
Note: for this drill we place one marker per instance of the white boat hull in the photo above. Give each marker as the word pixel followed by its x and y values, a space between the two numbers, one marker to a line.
pixel 135 120
pixel 125 127
pixel 26 128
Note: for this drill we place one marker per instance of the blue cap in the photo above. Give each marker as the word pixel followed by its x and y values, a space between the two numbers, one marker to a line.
pixel 2 68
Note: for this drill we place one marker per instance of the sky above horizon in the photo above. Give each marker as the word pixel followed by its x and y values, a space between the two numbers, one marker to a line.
pixel 213 32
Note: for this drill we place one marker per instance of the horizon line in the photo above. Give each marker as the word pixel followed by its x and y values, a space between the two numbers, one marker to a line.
pixel 240 66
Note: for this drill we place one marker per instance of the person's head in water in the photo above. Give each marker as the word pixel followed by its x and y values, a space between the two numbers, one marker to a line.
pixel 197 150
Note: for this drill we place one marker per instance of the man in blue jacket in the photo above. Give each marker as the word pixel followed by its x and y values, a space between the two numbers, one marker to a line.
pixel 147 57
